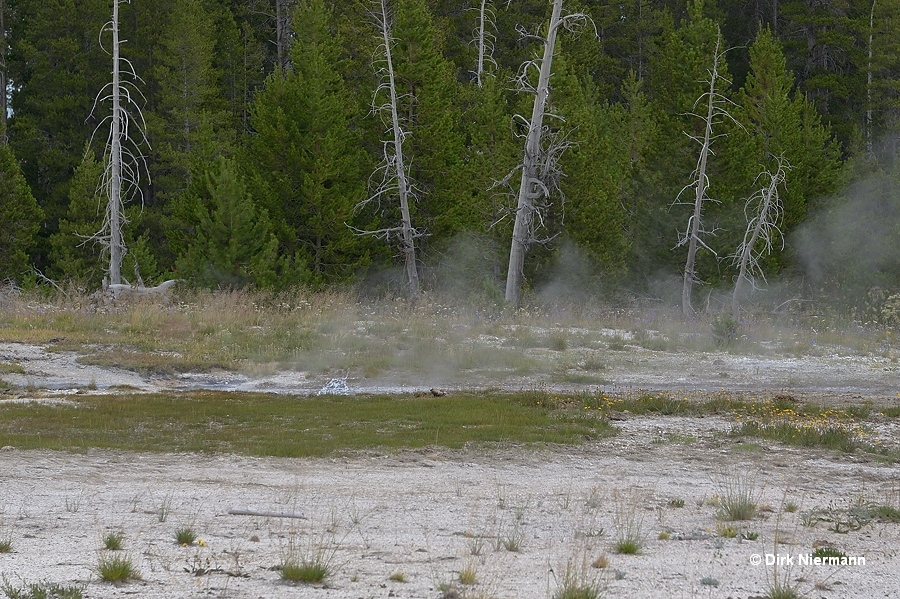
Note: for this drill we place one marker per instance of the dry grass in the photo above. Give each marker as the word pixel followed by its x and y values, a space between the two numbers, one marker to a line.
pixel 335 330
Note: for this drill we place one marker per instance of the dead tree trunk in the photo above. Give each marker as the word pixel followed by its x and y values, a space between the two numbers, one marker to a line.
pixel 693 236
pixel 394 179
pixel 870 153
pixel 116 242
pixel 484 39
pixel 122 158
pixel 531 187
pixel 282 33
pixel 761 227
pixel 3 52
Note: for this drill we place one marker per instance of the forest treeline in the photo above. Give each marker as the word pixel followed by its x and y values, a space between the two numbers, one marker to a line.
pixel 263 139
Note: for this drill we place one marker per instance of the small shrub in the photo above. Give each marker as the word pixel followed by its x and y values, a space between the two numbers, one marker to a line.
pixel 664 535
pixel 750 535
pixel 791 507
pixel 628 546
pixel 601 562
pixel 709 581
pixel 163 509
pixel 725 331
pixel 116 567
pixel 828 552
pixel 397 577
pixel 114 541
pixel 185 535
pixel 512 539
pixel 809 519
pixel 476 545
pixel 726 531
pixel 5 545
pixel 676 503
pixel 558 342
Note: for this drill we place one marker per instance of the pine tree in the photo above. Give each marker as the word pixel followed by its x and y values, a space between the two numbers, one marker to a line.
pixel 596 171
pixel 306 155
pixel 676 75
pixel 189 116
pixel 189 124
pixel 20 217
pixel 57 67
pixel 883 85
pixel 430 104
pixel 825 46
pixel 232 244
pixel 75 254
pixel 786 127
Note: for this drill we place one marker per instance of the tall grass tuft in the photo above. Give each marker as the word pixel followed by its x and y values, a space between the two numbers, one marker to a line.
pixel 306 569
pixel 116 567
pixel 577 584
pixel 738 498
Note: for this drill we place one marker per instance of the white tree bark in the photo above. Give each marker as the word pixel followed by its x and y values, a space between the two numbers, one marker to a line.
pixel 407 232
pixel 394 179
pixel 114 209
pixel 484 40
pixel 122 157
pixel 3 52
pixel 531 186
pixel 761 227
pixel 693 236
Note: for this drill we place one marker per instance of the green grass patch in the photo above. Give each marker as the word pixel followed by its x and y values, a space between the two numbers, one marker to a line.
pixel 185 535
pixel 662 404
pixel 114 541
pixel 11 368
pixel 41 590
pixel 832 437
pixel 292 426
pixel 116 567
pixel 306 571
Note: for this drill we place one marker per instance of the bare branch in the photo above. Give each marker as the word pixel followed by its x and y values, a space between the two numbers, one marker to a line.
pixel 764 211
pixel 391 178
pixel 716 110
pixel 122 157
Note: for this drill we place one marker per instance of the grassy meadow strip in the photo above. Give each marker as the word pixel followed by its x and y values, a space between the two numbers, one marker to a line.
pixel 290 426
pixel 297 426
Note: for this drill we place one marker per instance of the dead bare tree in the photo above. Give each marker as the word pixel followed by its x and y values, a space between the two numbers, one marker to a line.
pixel 3 53
pixel 762 230
pixel 716 109
pixel 485 38
pixel 540 173
pixel 122 157
pixel 391 178
pixel 870 153
pixel 283 33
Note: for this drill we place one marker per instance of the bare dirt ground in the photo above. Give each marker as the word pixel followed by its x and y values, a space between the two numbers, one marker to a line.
pixel 432 514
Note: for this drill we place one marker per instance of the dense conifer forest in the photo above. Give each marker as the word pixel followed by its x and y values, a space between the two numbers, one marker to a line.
pixel 266 142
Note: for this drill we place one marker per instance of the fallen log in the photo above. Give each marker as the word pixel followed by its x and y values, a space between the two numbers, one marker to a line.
pixel 265 514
